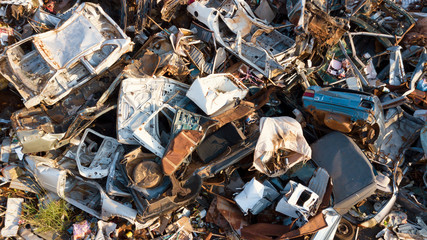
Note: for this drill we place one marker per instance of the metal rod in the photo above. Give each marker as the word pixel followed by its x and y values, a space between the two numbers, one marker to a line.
pixel 374 35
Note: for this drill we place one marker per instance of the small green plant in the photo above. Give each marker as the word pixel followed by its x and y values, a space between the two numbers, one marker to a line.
pixel 54 216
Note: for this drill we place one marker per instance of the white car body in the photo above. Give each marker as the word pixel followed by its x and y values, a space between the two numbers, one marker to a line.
pixel 47 66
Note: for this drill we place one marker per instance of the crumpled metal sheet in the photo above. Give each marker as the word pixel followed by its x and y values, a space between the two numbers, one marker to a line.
pixel 216 91
pixel 222 209
pixel 43 129
pixel 256 196
pixel 179 148
pixel 268 231
pixel 280 133
pixel 96 165
pixel 140 98
pixel 315 224
pixel 418 34
pixel 264 231
pixel 83 194
pixel 401 130
pixel 240 20
pixel 13 212
pixel 326 29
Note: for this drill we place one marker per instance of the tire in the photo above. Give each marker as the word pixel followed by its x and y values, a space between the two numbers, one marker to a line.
pixel 345 231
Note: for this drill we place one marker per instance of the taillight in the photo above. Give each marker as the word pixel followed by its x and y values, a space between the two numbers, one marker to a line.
pixel 366 104
pixel 309 93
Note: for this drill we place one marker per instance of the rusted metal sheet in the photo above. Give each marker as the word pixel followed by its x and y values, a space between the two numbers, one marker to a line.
pixel 232 214
pixel 272 231
pixel 46 128
pixel 418 34
pixel 179 148
pixel 326 29
pixel 264 231
pixel 315 224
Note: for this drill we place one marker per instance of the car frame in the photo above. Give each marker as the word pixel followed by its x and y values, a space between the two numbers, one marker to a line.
pixel 47 66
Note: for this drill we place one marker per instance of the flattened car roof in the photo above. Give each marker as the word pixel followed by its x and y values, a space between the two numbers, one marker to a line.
pixel 60 47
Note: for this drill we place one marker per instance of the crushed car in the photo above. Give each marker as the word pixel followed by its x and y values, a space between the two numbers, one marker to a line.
pixel 48 66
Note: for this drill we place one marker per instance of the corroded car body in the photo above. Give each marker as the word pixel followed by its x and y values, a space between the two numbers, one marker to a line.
pixel 347 111
pixel 47 66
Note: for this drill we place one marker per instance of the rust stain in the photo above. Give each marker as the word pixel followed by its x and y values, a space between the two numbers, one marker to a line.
pixel 41 47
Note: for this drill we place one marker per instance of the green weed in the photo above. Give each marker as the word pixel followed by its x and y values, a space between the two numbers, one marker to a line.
pixel 54 216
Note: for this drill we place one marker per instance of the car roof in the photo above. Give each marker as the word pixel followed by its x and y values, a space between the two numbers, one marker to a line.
pixel 61 46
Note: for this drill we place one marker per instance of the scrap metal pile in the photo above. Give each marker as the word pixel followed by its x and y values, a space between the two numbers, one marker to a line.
pixel 215 119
